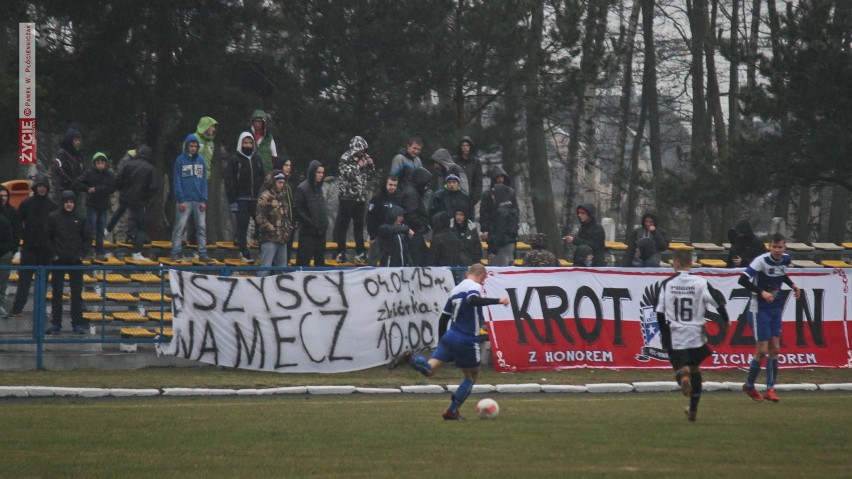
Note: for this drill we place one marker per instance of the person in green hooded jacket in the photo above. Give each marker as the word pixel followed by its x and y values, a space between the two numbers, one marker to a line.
pixel 263 140
pixel 206 134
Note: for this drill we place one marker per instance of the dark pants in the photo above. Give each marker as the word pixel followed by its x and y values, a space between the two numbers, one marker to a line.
pixel 97 220
pixel 310 247
pixel 25 276
pixel 245 213
pixel 349 210
pixel 138 225
pixel 418 250
pixel 116 217
pixel 75 280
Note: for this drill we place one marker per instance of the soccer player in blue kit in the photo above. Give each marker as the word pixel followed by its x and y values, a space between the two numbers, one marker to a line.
pixel 462 339
pixel 764 277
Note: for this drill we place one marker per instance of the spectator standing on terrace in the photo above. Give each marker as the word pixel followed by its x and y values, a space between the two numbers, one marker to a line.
pixel 764 277
pixel 407 157
pixel 275 221
pixel 137 182
pixel 244 177
pixel 646 243
pixel 486 207
pixel 10 214
pixel 467 158
pixel 442 165
pixel 467 232
pixel 461 342
pixel 450 198
pixel 447 248
pixel 504 224
pixel 744 245
pixel 190 187
pixel 263 140
pixel 36 249
pixel 377 210
pixel 590 238
pixel 122 207
pixel 680 314
pixel 356 169
pixel 70 238
pixel 312 215
pixel 394 236
pixel 411 199
pixel 98 183
pixel 68 165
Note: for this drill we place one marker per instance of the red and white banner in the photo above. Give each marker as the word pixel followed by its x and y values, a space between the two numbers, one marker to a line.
pixel 603 318
pixel 26 93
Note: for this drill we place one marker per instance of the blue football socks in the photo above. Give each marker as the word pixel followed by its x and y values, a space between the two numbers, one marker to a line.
pixel 771 371
pixel 753 371
pixel 461 394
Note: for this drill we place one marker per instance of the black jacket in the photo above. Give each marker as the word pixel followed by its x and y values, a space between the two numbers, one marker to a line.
pixel 136 179
pixel 472 166
pixel 103 181
pixel 69 234
pixel 744 244
pixel 644 245
pixel 310 207
pixel 411 194
pixel 447 248
pixel 487 206
pixel 11 214
pixel 244 175
pixel 393 245
pixel 377 208
pixel 33 214
pixel 504 221
pixel 590 234
pixel 69 165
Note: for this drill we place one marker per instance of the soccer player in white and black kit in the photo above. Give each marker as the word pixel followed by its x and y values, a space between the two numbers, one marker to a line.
pixel 764 277
pixel 681 306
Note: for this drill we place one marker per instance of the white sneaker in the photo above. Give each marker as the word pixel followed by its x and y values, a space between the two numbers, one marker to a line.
pixel 247 259
pixel 138 257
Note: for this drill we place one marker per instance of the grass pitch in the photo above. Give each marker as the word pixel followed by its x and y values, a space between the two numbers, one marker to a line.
pixel 807 434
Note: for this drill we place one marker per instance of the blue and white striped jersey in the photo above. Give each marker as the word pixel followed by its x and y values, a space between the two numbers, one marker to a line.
pixel 768 275
pixel 465 318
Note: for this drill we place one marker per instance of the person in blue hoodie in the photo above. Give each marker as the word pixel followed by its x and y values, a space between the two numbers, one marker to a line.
pixel 190 187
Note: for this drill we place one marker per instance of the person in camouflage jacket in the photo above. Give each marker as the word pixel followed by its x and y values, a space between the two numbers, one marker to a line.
pixel 356 168
pixel 539 255
pixel 275 220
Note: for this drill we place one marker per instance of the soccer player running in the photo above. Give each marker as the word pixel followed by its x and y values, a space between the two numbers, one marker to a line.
pixel 764 277
pixel 680 313
pixel 462 339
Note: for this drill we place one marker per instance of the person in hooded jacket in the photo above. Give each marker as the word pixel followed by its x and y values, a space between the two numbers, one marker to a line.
pixel 99 183
pixel 356 169
pixel 467 158
pixel 243 183
pixel 646 243
pixel 468 233
pixel 744 245
pixel 442 165
pixel 190 188
pixel 36 249
pixel 275 221
pixel 498 176
pixel 137 182
pixel 70 238
pixel 263 140
pixel 589 239
pixel 312 215
pixel 504 225
pixel 538 255
pixel 68 165
pixel 7 250
pixel 447 248
pixel 394 237
pixel 129 155
pixel 411 198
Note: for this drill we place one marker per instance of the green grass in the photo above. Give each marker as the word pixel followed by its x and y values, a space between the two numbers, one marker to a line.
pixel 536 435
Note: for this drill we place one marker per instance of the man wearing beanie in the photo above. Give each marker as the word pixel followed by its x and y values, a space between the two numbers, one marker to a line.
pixel 70 238
pixel 450 198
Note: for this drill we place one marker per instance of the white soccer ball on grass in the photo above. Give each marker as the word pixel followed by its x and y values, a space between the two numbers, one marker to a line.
pixel 487 409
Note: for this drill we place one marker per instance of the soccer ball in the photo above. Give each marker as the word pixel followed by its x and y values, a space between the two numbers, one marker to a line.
pixel 487 409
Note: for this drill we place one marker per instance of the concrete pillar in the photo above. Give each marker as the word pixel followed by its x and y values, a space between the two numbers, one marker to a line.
pixel 609 228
